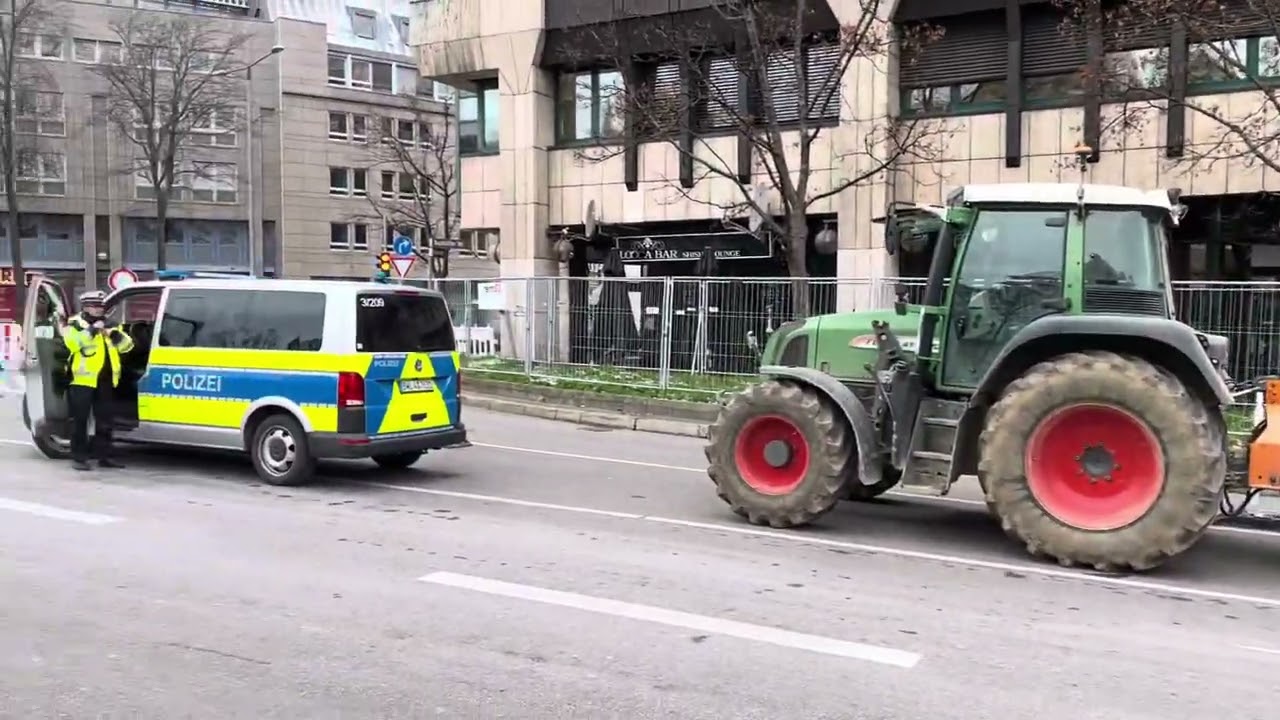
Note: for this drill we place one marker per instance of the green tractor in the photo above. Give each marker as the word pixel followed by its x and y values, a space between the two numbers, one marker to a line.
pixel 1044 357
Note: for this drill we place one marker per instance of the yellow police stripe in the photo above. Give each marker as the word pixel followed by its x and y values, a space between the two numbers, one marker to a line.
pixel 219 413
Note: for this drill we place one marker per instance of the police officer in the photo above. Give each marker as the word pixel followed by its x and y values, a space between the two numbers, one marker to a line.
pixel 95 373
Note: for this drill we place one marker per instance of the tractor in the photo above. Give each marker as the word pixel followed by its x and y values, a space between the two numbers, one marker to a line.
pixel 1044 357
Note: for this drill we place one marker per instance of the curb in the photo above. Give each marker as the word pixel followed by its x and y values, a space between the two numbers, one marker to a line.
pixel 586 416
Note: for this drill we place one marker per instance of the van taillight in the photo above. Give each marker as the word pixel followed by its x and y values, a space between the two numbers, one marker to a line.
pixel 350 390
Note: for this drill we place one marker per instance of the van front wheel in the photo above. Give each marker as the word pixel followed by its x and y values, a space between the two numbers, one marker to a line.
pixel 397 461
pixel 280 452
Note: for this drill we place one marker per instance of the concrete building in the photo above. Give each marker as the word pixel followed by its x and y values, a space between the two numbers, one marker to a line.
pixel 1003 81
pixel 84 214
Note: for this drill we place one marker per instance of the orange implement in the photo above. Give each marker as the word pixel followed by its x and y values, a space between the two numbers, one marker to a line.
pixel 1264 453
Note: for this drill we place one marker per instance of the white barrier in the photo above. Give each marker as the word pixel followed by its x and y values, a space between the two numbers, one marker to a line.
pixel 476 341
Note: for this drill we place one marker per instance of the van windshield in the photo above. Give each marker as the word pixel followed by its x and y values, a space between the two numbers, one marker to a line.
pixel 398 323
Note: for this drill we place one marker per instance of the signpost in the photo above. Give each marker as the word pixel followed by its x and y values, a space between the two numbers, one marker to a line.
pixel 121 278
pixel 403 258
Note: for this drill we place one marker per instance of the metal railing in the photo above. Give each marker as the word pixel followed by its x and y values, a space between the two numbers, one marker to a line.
pixel 699 336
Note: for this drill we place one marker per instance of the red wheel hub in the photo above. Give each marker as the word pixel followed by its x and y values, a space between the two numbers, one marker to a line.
pixel 1094 466
pixel 771 454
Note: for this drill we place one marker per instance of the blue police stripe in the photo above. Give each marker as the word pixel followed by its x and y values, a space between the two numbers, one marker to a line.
pixel 244 385
pixel 379 387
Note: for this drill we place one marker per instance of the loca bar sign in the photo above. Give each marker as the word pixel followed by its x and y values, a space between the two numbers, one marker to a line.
pixel 660 248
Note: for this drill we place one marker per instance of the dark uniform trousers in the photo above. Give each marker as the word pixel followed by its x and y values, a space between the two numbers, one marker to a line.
pixel 96 402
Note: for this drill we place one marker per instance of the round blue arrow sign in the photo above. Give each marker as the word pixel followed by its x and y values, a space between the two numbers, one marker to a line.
pixel 402 245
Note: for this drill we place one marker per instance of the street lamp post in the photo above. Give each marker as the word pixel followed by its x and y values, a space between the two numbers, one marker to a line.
pixel 256 249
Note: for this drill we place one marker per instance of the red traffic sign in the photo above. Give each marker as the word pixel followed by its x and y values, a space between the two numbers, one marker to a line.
pixel 402 264
pixel 121 278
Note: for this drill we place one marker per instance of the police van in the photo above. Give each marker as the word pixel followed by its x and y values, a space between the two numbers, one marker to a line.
pixel 289 371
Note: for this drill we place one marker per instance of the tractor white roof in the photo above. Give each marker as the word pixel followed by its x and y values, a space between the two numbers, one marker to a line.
pixel 1064 194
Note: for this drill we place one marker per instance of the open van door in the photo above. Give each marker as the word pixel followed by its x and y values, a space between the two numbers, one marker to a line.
pixel 44 402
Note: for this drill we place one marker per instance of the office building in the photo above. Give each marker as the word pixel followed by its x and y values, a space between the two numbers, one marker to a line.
pixel 1007 81
pixel 83 213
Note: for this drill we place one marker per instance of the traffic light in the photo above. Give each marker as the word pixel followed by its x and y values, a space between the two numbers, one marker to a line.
pixel 384 263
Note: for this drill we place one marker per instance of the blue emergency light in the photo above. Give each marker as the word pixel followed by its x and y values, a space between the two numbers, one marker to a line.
pixel 176 275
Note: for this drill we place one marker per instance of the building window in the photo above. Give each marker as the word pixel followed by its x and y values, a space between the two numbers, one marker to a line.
pixel 476 243
pixel 348 236
pixel 363 74
pixel 402 24
pixel 348 126
pixel 478 120
pixel 41 113
pixel 348 182
pixel 399 185
pixel 47 47
pixel 1050 91
pixel 589 105
pixel 820 99
pixel 339 126
pixel 406 131
pixel 97 51
pixel 217 129
pixel 1126 71
pixel 212 183
pixel 346 71
pixel 364 24
pixel 979 97
pixel 1226 64
pixel 42 173
pixel 417 236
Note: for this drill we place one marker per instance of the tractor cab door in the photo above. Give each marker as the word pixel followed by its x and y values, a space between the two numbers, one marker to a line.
pixel 44 355
pixel 1009 273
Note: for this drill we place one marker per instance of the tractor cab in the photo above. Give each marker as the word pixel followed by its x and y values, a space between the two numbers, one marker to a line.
pixel 1007 255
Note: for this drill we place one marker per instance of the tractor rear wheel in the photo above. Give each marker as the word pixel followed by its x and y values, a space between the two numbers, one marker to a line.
pixel 778 454
pixel 1102 460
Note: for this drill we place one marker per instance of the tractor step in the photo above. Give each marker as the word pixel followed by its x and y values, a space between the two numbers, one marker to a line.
pixel 928 467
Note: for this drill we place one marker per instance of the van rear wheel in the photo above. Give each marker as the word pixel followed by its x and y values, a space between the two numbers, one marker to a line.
pixel 398 461
pixel 280 452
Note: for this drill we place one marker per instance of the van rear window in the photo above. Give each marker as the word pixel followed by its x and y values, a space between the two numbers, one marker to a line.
pixel 395 323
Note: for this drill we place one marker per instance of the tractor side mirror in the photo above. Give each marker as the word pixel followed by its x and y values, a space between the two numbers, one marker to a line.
pixel 891 234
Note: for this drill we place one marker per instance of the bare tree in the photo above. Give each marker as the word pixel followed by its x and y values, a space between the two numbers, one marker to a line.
pixel 760 69
pixel 173 82
pixel 415 158
pixel 20 82
pixel 1136 81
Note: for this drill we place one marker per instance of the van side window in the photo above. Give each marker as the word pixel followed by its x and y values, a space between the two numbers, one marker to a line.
pixel 231 319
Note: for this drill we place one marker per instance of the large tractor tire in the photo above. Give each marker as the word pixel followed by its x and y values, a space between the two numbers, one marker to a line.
pixel 1102 460
pixel 779 454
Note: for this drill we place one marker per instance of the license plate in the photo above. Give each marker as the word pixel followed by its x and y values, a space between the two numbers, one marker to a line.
pixel 416 386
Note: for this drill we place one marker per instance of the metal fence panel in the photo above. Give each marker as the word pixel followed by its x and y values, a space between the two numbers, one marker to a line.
pixel 700 336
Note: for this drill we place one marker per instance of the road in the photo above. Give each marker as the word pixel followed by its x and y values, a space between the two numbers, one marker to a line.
pixel 555 571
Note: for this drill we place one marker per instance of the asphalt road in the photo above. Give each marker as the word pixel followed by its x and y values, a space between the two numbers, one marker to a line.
pixel 598 577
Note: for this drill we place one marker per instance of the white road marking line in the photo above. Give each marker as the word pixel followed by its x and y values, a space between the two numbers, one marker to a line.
pixel 1255 648
pixel 676 618
pixel 7 441
pixel 807 539
pixel 576 456
pixel 56 513
pixel 893 493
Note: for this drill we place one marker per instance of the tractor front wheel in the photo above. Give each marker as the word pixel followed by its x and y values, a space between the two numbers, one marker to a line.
pixel 778 454
pixel 1102 460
